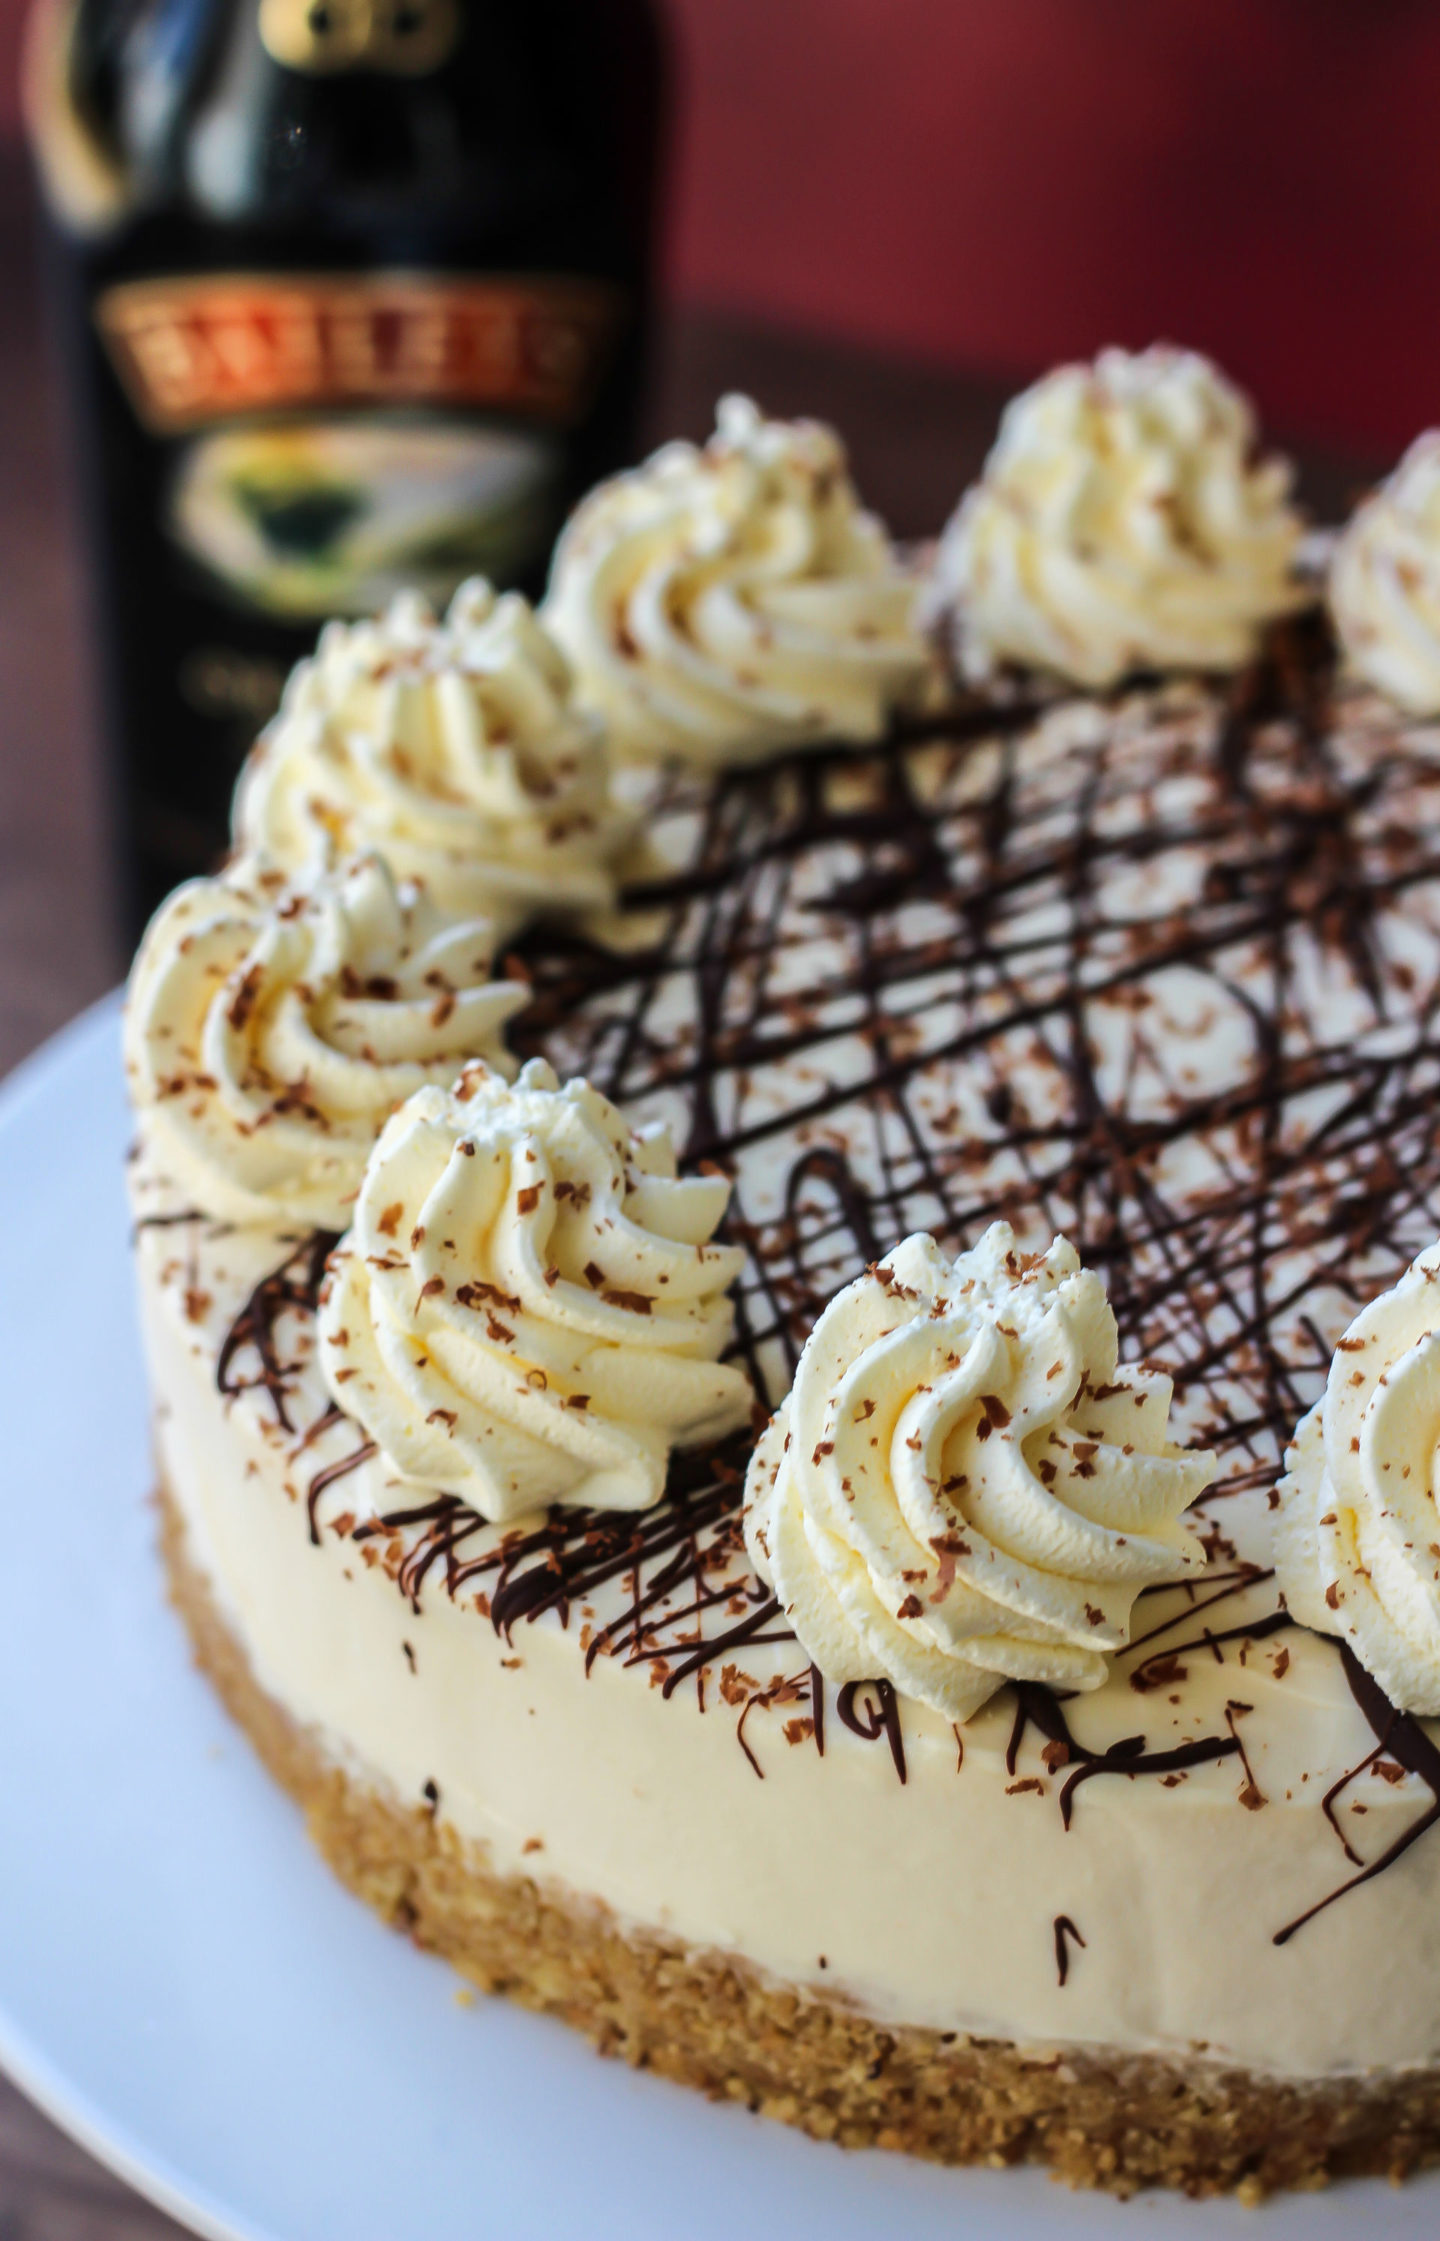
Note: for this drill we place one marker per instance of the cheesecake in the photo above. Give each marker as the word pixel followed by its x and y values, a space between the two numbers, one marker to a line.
pixel 783 1489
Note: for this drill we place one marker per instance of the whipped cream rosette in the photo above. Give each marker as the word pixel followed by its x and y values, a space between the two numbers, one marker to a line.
pixel 726 603
pixel 1357 1541
pixel 1385 583
pixel 453 746
pixel 528 1308
pixel 271 1028
pixel 1122 523
pixel 965 1486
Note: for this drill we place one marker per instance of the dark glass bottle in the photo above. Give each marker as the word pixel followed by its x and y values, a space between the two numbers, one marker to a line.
pixel 354 294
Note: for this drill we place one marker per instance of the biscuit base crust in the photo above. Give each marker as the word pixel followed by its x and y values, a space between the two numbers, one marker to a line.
pixel 1117 2121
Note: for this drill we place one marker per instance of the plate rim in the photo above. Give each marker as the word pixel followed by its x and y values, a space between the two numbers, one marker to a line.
pixel 155 2175
pixel 34 2074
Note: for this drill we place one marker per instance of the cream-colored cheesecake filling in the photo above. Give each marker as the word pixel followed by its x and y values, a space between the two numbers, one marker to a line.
pixel 945 1900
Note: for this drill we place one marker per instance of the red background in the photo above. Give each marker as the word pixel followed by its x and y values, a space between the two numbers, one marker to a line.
pixel 998 183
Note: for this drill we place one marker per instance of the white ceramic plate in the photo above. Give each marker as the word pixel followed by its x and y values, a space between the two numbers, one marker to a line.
pixel 183 1986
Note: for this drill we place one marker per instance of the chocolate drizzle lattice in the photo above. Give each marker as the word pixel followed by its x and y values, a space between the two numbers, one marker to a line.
pixel 1160 976
pixel 1159 973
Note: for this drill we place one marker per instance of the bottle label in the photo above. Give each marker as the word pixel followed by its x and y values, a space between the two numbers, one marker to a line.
pixel 194 351
pixel 330 515
pixel 339 438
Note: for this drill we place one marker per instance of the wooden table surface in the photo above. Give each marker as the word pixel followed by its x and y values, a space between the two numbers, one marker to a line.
pixel 916 436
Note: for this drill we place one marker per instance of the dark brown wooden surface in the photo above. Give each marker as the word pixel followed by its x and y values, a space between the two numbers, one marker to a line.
pixel 916 436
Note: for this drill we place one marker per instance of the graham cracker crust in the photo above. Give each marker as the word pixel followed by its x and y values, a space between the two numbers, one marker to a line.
pixel 1116 2122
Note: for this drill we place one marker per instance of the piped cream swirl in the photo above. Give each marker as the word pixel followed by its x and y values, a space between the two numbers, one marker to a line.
pixel 1121 523
pixel 455 748
pixel 965 1486
pixel 726 603
pixel 1385 583
pixel 529 1309
pixel 270 1030
pixel 1357 1543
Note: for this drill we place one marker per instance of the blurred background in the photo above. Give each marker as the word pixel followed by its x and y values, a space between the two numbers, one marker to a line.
pixel 886 212
pixel 992 188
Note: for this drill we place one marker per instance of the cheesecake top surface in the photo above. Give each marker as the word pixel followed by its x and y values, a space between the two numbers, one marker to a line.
pixel 1153 971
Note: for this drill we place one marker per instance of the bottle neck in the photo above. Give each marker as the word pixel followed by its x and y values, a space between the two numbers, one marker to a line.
pixel 497 137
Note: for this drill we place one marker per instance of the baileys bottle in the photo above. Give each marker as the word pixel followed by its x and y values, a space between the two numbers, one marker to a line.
pixel 354 294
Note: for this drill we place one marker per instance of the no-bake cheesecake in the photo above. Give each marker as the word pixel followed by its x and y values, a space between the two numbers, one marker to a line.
pixel 770 1534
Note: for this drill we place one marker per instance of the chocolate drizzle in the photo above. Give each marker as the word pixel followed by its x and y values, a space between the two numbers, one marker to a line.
pixel 1161 1669
pixel 871 1709
pixel 291 1289
pixel 1042 1708
pixel 1065 1930
pixel 331 1475
pixel 688 1549
pixel 1400 1737
pixel 895 974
